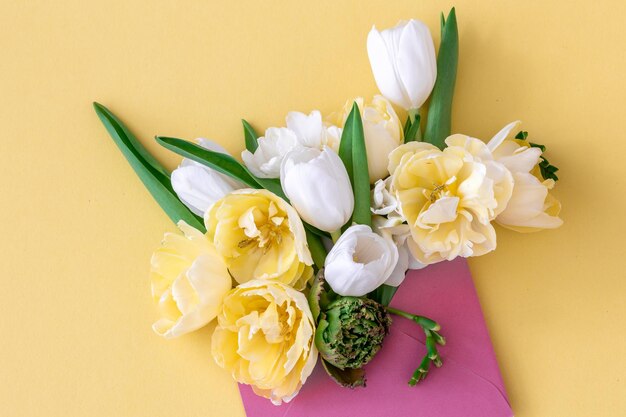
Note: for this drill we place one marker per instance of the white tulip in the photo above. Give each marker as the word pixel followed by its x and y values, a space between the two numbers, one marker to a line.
pixel 265 161
pixel 199 186
pixel 397 231
pixel 360 262
pixel 317 184
pixel 303 130
pixel 403 62
pixel 312 132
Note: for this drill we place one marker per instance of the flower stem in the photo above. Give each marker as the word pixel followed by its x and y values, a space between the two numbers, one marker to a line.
pixel 433 338
pixel 335 235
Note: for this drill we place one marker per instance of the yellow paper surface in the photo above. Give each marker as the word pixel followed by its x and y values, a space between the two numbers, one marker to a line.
pixel 78 227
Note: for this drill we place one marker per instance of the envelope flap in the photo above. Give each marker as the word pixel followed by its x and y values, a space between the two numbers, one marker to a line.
pixel 445 292
pixel 468 385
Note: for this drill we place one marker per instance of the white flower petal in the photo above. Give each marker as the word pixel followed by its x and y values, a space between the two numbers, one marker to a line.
pixel 360 262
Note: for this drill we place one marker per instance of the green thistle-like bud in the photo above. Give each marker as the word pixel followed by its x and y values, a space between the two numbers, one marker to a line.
pixel 350 331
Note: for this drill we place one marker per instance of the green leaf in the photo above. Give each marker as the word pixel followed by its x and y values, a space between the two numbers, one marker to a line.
pixel 250 136
pixel 270 184
pixel 360 174
pixel 383 294
pixel 119 132
pixel 153 175
pixel 413 129
pixel 547 170
pixel 228 165
pixel 347 378
pixel 440 110
pixel 318 251
pixel 521 135
pixel 345 146
pixel 223 163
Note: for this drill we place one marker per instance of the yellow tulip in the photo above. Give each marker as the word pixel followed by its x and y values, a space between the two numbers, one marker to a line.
pixel 532 206
pixel 448 199
pixel 189 281
pixel 260 236
pixel 265 338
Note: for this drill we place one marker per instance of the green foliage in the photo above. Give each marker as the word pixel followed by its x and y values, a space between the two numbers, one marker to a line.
pixel 412 129
pixel 153 175
pixel 353 153
pixel 223 163
pixel 548 171
pixel 440 109
pixel 383 294
pixel 250 136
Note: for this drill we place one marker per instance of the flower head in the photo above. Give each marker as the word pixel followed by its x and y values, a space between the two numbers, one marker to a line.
pixel 265 338
pixel 317 184
pixel 351 331
pixel 403 62
pixel 448 200
pixel 360 261
pixel 199 186
pixel 302 131
pixel 189 280
pixel 531 207
pixel 260 236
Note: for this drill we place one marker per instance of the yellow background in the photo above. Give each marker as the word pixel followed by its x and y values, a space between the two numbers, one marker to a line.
pixel 78 227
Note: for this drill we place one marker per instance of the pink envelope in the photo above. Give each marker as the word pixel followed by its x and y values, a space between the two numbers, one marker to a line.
pixel 468 385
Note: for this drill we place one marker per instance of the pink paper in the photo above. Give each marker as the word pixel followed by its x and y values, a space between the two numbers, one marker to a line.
pixel 468 385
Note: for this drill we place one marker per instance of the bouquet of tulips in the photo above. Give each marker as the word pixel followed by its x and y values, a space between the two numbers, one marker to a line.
pixel 298 250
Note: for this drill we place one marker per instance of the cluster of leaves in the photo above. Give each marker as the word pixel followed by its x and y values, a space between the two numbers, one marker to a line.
pixel 548 171
pixel 157 179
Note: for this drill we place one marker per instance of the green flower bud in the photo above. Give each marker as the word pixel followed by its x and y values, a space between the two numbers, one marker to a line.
pixel 350 331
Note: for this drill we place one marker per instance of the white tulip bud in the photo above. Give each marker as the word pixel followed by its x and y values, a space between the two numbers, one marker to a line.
pixel 199 186
pixel 360 262
pixel 403 62
pixel 318 187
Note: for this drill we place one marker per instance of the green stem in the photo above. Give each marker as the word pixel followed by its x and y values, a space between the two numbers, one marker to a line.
pixel 413 128
pixel 433 338
pixel 335 235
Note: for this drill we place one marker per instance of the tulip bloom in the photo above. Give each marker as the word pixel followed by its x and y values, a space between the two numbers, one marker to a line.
pixel 531 207
pixel 360 262
pixel 199 186
pixel 189 281
pixel 318 187
pixel 403 62
pixel 308 131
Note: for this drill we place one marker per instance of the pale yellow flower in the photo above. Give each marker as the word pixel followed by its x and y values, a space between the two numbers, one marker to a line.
pixel 448 200
pixel 260 236
pixel 382 130
pixel 532 207
pixel 189 280
pixel 265 338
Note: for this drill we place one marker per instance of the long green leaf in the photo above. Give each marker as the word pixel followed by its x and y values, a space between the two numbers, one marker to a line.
pixel 153 175
pixel 383 294
pixel 318 251
pixel 250 136
pixel 223 163
pixel 440 109
pixel 122 133
pixel 360 174
pixel 345 146
pixel 412 129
